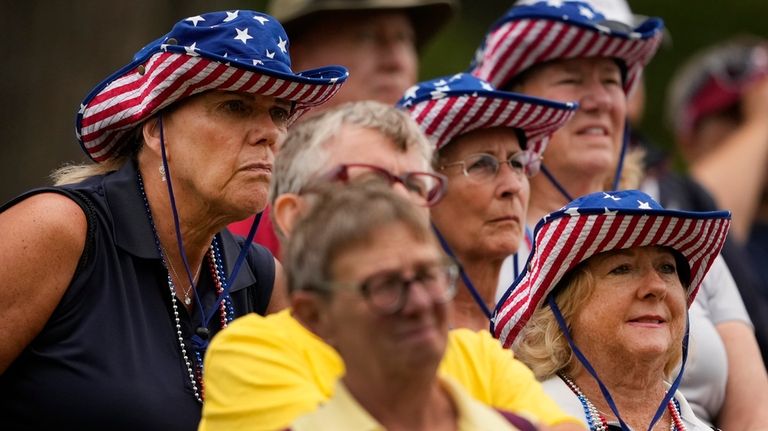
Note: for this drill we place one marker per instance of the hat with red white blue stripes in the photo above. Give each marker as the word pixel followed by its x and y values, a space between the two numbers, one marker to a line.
pixel 537 31
pixel 241 50
pixel 454 105
pixel 601 222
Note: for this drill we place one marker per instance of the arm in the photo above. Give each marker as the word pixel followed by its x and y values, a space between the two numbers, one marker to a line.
pixel 279 299
pixel 43 238
pixel 746 393
pixel 739 163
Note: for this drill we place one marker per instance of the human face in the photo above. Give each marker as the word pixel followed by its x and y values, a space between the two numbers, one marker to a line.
pixel 590 143
pixel 354 144
pixel 482 220
pixel 221 147
pixel 636 310
pixel 377 47
pixel 369 341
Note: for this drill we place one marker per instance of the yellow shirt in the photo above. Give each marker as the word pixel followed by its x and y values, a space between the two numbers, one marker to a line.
pixel 261 373
pixel 342 412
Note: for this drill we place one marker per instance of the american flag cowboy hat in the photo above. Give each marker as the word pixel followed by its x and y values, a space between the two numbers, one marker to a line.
pixel 601 222
pixel 535 32
pixel 239 50
pixel 454 105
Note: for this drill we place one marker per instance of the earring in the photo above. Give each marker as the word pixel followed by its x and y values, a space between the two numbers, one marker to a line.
pixel 162 173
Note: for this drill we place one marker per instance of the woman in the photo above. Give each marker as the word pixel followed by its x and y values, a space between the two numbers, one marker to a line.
pixel 371 275
pixel 599 312
pixel 578 53
pixel 123 272
pixel 488 144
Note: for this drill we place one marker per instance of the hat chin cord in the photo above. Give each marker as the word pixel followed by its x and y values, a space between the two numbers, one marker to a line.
pixel 616 177
pixel 206 318
pixel 606 394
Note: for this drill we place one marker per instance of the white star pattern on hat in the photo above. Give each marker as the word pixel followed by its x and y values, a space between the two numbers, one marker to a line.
pixel 572 211
pixel 586 13
pixel 443 88
pixel 195 19
pixel 270 54
pixel 610 196
pixel 486 86
pixel 257 62
pixel 554 3
pixel 281 44
pixel 643 205
pixel 261 19
pixel 440 83
pixel 231 16
pixel 191 50
pixel 411 92
pixel 243 35
pixel 609 212
pixel 456 76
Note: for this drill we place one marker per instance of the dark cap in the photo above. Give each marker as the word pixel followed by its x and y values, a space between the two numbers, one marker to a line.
pixel 428 16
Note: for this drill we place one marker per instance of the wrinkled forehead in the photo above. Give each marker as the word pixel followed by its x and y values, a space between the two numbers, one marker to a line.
pixel 359 144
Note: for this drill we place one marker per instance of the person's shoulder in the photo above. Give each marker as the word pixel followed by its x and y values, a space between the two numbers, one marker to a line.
pixel 52 216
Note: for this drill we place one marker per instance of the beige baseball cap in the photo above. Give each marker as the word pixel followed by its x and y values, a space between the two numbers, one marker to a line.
pixel 428 16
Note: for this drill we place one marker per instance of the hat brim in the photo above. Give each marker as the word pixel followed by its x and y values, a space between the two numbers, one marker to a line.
pixel 566 238
pixel 161 78
pixel 446 115
pixel 524 40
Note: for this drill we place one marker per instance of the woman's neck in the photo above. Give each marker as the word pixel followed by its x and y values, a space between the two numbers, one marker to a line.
pixel 412 402
pixel 484 275
pixel 637 394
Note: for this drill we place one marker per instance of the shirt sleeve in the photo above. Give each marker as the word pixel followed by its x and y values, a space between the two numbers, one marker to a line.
pixel 493 376
pixel 721 295
pixel 255 380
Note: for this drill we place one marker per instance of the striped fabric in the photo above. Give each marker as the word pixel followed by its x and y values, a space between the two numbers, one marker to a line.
pixel 451 106
pixel 240 51
pixel 602 222
pixel 535 33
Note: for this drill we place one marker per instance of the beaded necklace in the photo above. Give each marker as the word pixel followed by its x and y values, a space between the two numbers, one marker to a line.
pixel 194 366
pixel 597 422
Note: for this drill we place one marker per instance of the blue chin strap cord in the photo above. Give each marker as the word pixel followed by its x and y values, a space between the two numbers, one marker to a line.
pixel 616 178
pixel 583 359
pixel 206 319
pixel 464 277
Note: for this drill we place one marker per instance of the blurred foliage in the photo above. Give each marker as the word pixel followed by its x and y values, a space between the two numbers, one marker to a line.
pixel 55 51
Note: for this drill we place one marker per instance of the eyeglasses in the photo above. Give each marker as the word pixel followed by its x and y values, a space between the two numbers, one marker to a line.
pixel 484 167
pixel 427 188
pixel 387 292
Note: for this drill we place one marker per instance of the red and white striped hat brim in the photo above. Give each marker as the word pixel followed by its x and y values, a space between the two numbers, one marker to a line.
pixel 594 224
pixel 449 107
pixel 530 35
pixel 169 77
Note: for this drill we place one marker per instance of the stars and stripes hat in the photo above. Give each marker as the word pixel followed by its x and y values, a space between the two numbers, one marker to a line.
pixel 241 50
pixel 454 105
pixel 536 31
pixel 601 222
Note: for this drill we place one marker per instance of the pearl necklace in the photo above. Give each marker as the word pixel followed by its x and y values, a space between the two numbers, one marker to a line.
pixel 597 422
pixel 226 310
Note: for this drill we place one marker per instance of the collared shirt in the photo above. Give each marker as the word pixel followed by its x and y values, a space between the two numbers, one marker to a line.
pixel 344 413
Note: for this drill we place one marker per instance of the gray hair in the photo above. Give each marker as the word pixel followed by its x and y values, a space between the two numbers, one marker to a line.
pixel 305 152
pixel 344 217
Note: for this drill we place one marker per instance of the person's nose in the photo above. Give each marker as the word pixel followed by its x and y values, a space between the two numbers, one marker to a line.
pixel 264 131
pixel 418 299
pixel 396 54
pixel 509 182
pixel 653 284
pixel 596 96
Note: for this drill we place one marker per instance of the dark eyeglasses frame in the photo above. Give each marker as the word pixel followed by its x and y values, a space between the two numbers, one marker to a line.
pixel 364 288
pixel 341 173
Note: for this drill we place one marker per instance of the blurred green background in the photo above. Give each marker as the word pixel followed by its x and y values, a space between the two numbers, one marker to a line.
pixel 55 51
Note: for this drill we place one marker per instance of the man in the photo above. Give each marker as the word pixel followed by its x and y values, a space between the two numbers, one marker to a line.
pixel 377 41
pixel 265 372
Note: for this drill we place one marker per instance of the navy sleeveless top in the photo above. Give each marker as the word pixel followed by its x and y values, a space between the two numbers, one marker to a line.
pixel 109 357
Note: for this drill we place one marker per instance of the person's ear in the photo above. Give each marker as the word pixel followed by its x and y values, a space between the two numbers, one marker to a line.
pixel 286 211
pixel 150 131
pixel 311 310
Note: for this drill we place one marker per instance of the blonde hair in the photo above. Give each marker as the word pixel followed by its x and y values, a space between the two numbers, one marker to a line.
pixel 128 149
pixel 632 172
